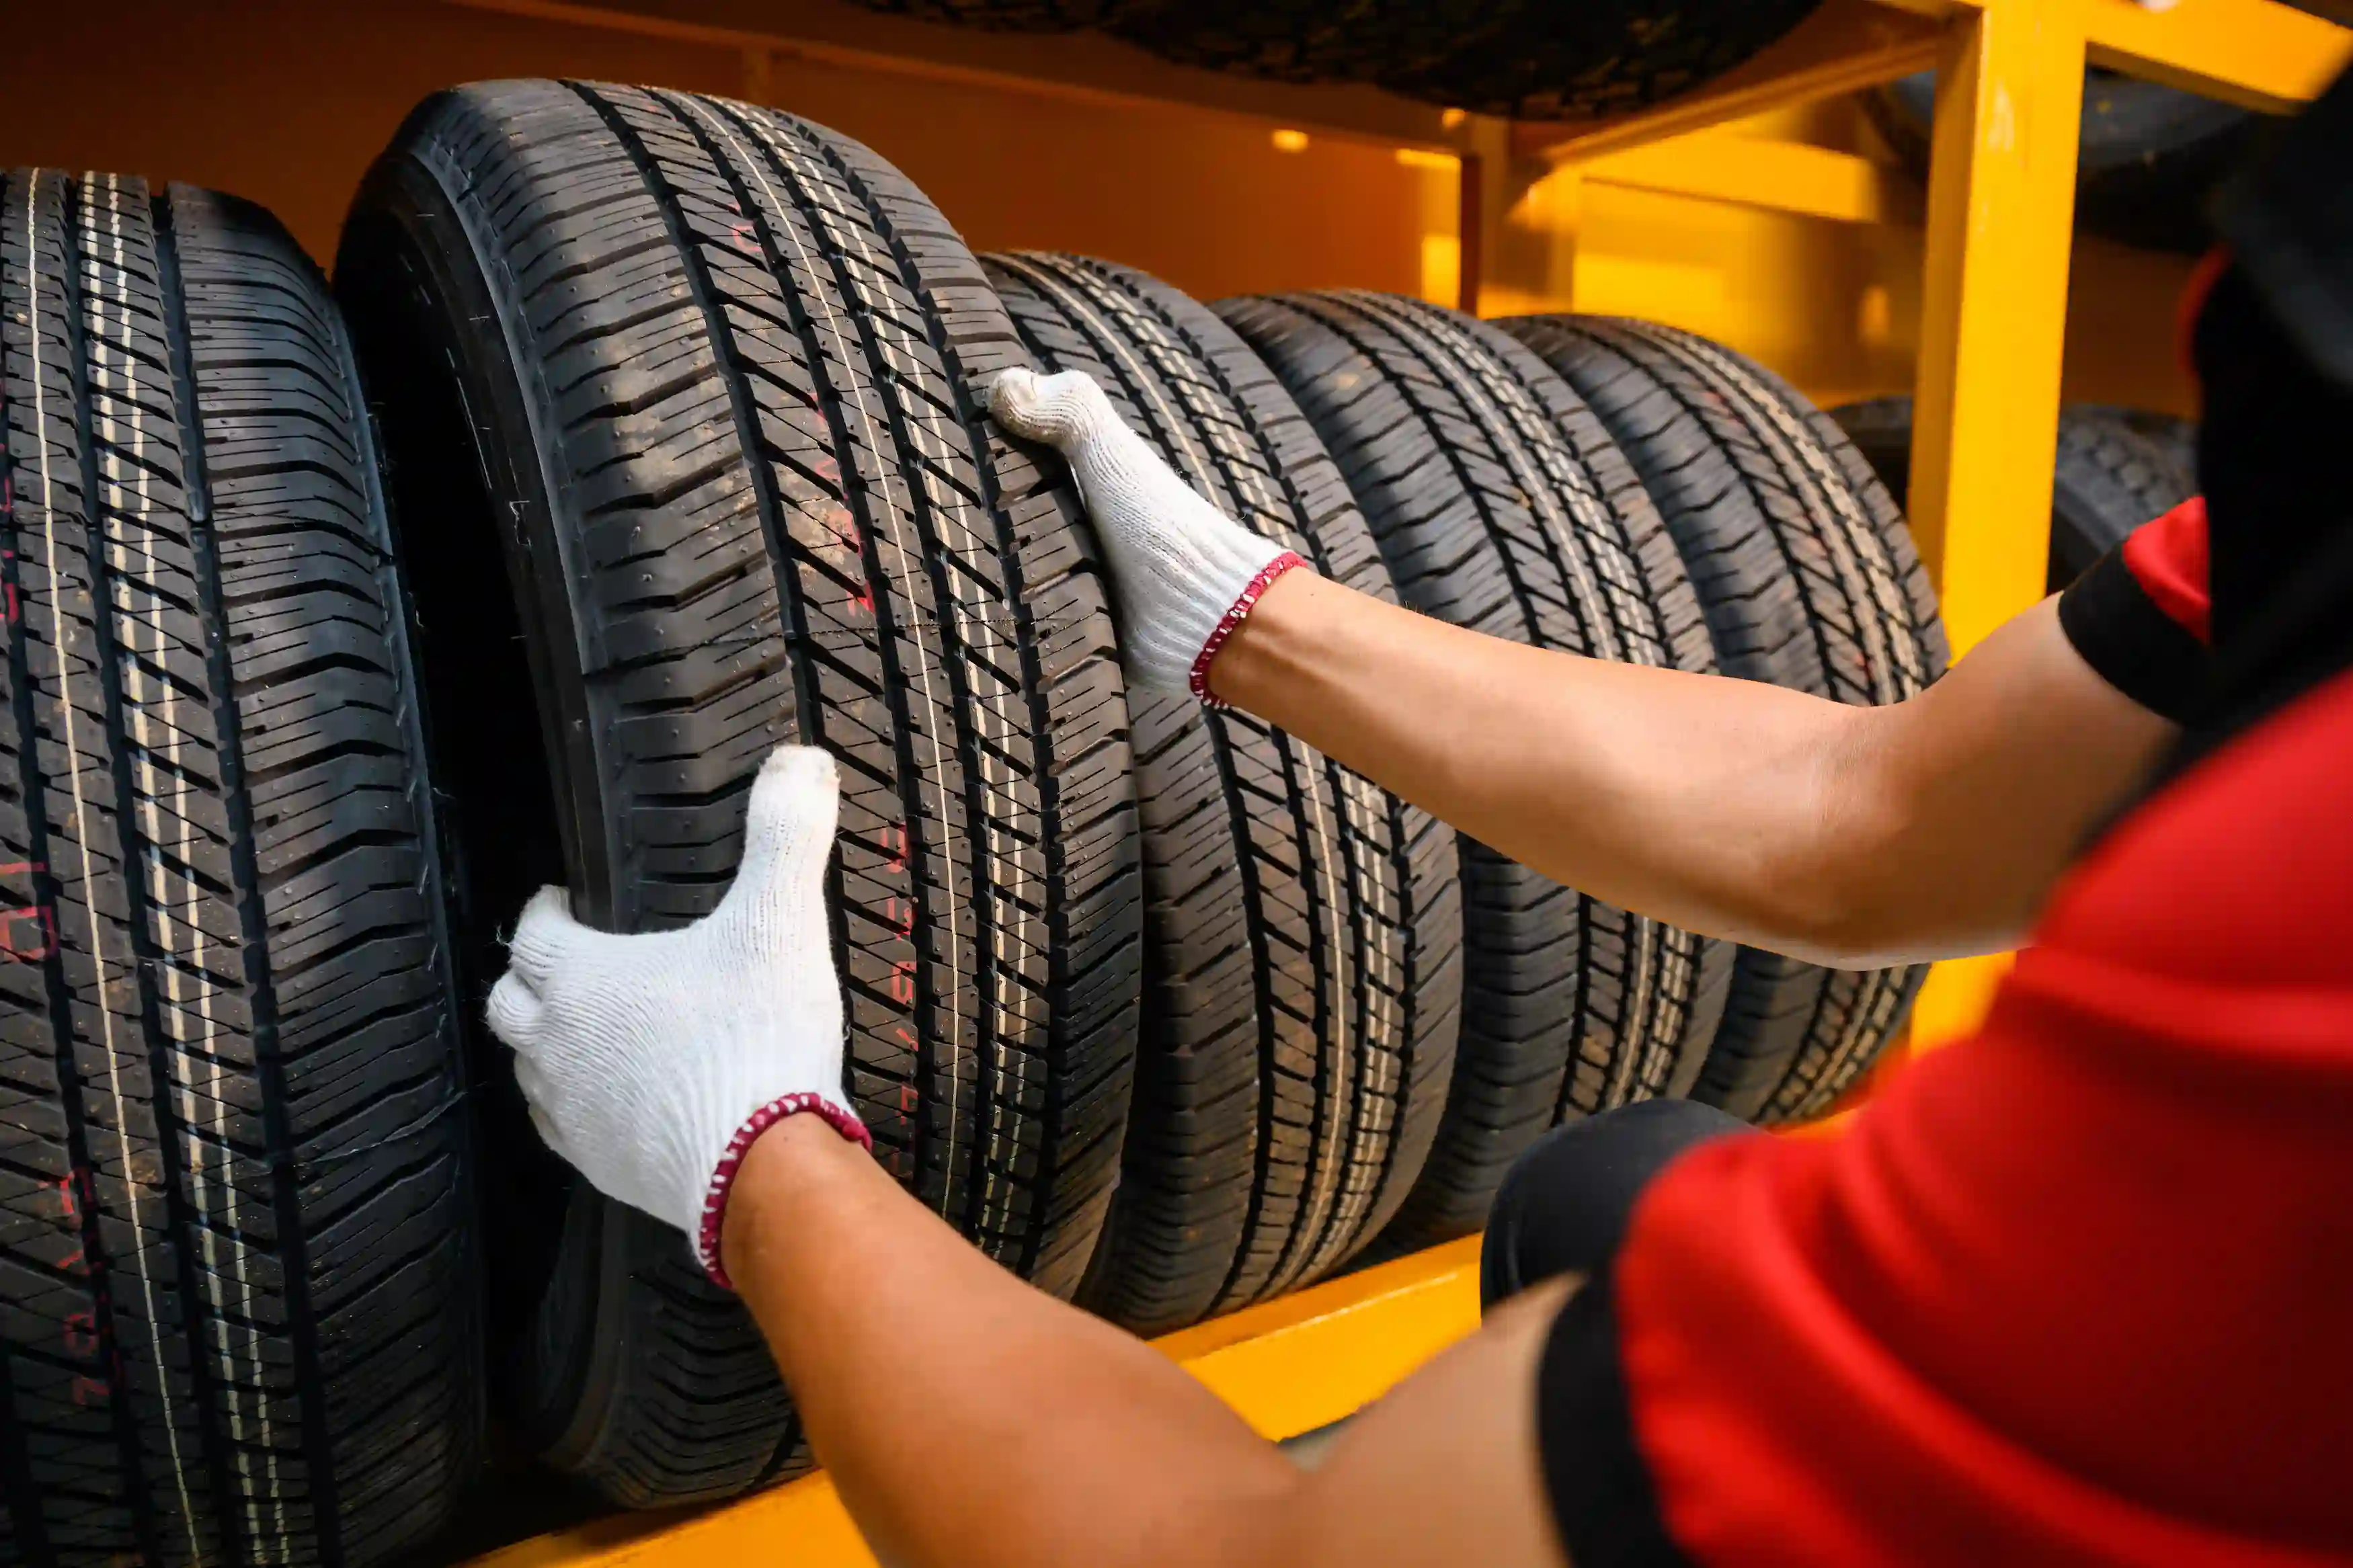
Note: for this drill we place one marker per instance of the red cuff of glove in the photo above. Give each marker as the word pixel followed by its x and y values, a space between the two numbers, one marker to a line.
pixel 1231 621
pixel 722 1177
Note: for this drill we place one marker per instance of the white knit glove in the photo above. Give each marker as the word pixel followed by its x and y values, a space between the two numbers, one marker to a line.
pixel 1186 574
pixel 651 1062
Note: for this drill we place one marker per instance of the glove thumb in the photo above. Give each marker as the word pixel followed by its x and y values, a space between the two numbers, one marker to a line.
pixel 787 830
pixel 542 938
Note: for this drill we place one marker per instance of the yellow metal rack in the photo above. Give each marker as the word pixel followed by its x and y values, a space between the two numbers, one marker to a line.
pixel 1999 224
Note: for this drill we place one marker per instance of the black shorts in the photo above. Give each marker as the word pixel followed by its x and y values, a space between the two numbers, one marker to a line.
pixel 1564 1209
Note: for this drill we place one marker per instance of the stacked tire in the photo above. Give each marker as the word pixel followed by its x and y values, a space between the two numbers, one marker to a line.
pixel 1501 505
pixel 1304 925
pixel 237 1253
pixel 2116 468
pixel 715 476
pixel 1808 580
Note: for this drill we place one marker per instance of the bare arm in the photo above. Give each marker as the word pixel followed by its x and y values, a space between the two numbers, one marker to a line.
pixel 968 1419
pixel 1849 836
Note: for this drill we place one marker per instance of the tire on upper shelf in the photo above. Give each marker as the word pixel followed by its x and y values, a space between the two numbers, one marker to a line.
pixel 997 16
pixel 2148 155
pixel 1500 504
pixel 2116 469
pixel 1809 580
pixel 239 1313
pixel 1303 930
pixel 1533 59
pixel 695 391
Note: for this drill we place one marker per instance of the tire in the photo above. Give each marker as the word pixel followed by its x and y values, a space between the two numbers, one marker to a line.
pixel 1500 504
pixel 2110 478
pixel 1809 580
pixel 701 382
pixel 239 1317
pixel 2148 156
pixel 1533 60
pixel 1303 925
pixel 996 15
pixel 2116 469
pixel 2174 440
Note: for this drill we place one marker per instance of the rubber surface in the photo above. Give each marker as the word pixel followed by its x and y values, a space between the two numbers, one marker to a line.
pixel 2116 469
pixel 2147 157
pixel 238 1261
pixel 2172 441
pixel 1535 60
pixel 1305 926
pixel 1500 504
pixel 709 379
pixel 1809 580
pixel 997 16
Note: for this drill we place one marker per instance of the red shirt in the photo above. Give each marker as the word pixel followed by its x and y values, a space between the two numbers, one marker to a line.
pixel 2077 1290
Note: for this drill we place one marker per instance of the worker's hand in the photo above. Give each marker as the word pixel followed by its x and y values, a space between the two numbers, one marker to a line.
pixel 652 1061
pixel 1185 572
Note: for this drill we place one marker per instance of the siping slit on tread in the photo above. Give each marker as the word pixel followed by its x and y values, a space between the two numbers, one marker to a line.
pixel 1808 581
pixel 1500 504
pixel 719 378
pixel 196 1324
pixel 1272 1138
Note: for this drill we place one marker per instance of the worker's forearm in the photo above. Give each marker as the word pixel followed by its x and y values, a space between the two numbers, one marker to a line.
pixel 966 1418
pixel 1721 805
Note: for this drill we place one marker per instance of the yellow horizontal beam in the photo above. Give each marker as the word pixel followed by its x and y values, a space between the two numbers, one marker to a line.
pixel 1287 1366
pixel 2253 52
pixel 1781 176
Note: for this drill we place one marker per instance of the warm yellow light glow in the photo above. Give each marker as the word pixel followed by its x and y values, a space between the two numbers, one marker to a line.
pixel 1874 319
pixel 1441 269
pixel 1438 163
pixel 1291 141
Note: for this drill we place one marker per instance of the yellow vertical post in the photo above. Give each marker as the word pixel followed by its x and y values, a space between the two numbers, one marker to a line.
pixel 2001 194
pixel 1490 187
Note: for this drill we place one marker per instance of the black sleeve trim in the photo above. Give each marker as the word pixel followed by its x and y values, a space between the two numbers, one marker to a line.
pixel 1603 1502
pixel 2130 642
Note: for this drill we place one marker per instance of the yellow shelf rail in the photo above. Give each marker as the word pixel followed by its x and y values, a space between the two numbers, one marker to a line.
pixel 1287 1366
